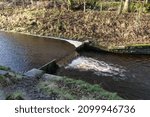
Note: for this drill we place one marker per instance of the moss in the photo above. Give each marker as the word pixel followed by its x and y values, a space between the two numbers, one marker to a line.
pixel 2 80
pixel 1 77
pixel 4 68
pixel 15 96
pixel 10 78
pixel 75 89
pixel 147 7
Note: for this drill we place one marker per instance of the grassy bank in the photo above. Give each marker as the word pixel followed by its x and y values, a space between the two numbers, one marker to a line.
pixel 75 90
pixel 8 77
pixel 17 86
pixel 104 28
pixel 4 68
pixel 101 24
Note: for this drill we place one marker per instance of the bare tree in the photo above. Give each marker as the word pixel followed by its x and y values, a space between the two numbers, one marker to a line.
pixel 120 7
pixel 147 1
pixel 126 7
pixel 84 2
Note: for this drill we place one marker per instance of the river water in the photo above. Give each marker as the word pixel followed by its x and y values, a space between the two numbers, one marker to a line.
pixel 22 52
pixel 128 75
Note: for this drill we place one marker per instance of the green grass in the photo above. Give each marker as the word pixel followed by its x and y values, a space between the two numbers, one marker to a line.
pixel 1 77
pixel 76 90
pixel 2 80
pixel 134 7
pixel 4 68
pixel 15 96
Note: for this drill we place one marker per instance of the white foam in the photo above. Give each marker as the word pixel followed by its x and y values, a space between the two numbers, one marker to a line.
pixel 98 67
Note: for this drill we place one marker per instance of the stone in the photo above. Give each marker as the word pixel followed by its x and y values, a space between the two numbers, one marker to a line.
pixel 51 77
pixel 18 76
pixel 34 73
pixel 11 74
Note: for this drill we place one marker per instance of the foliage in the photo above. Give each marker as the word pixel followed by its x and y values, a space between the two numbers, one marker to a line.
pixel 147 7
pixel 1 77
pixel 15 96
pixel 4 68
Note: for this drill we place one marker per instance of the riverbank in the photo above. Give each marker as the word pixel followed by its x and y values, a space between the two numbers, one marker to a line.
pixel 46 86
pixel 107 29
pixel 103 28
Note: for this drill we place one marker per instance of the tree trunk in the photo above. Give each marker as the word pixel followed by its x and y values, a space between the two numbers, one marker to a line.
pixel 147 1
pixel 84 9
pixel 120 7
pixel 68 4
pixel 126 7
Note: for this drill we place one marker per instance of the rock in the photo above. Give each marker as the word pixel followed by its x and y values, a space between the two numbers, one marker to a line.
pixel 34 73
pixel 51 77
pixel 18 76
pixel 11 74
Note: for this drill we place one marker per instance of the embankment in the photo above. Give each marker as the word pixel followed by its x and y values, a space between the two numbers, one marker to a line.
pixel 106 29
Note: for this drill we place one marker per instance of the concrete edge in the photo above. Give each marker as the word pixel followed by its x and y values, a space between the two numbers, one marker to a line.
pixel 79 45
pixel 50 67
pixel 139 50
pixel 73 42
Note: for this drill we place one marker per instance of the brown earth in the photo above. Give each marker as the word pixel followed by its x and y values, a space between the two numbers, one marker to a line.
pixel 102 28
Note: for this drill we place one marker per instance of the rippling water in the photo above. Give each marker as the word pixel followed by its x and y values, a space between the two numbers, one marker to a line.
pixel 22 52
pixel 128 75
pixel 99 68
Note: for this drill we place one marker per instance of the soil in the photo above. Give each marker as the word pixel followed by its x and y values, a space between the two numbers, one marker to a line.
pixel 103 28
pixel 28 88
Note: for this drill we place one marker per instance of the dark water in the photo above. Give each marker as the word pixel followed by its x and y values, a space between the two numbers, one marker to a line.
pixel 22 52
pixel 128 75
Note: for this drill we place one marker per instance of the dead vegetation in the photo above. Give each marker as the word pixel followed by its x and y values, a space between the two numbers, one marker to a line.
pixel 107 28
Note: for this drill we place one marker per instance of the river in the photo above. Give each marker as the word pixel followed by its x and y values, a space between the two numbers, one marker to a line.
pixel 23 52
pixel 128 75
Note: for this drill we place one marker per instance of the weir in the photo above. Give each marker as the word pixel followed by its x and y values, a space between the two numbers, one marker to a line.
pixel 128 75
pixel 23 52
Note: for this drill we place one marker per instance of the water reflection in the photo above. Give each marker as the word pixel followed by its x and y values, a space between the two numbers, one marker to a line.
pixel 128 75
pixel 22 52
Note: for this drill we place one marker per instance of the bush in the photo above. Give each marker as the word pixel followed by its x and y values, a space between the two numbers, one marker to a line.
pixel 15 96
pixel 4 68
pixel 147 7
